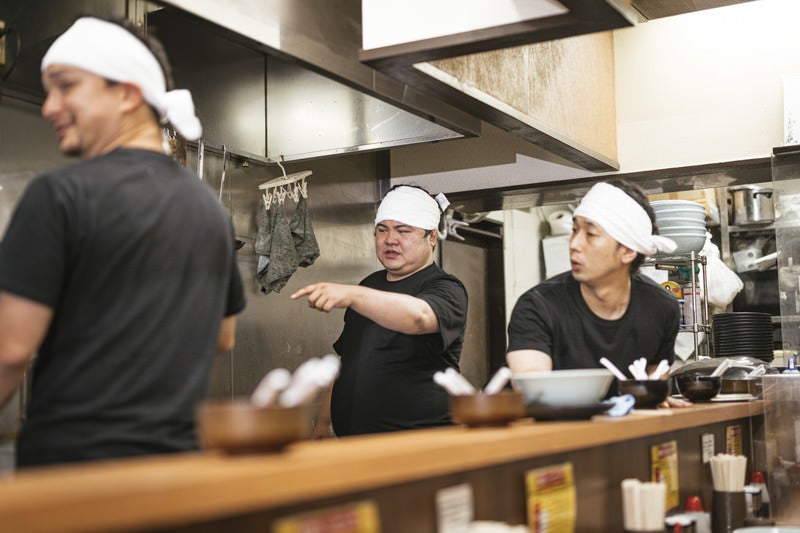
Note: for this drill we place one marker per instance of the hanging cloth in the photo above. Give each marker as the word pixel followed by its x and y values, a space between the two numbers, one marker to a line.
pixel 263 239
pixel 282 255
pixel 305 242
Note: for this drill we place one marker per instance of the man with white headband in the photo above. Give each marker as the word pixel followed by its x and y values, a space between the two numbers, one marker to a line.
pixel 402 325
pixel 117 271
pixel 603 307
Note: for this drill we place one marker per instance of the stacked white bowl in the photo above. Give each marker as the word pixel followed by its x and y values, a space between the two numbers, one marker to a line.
pixel 682 221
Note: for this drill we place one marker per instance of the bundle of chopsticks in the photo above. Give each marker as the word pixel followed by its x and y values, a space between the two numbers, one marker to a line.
pixel 728 472
pixel 638 369
pixel 643 505
pixel 457 385
pixel 279 387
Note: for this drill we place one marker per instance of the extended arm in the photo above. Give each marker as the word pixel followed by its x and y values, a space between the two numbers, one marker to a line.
pixel 398 312
pixel 528 361
pixel 227 335
pixel 23 325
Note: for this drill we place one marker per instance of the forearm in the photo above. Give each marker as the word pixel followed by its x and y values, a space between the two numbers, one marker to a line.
pixel 23 324
pixel 10 377
pixel 528 361
pixel 227 335
pixel 397 312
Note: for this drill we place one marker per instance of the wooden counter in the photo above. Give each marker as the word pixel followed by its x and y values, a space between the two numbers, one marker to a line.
pixel 170 491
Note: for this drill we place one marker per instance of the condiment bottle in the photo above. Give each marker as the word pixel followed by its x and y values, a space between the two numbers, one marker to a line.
pixel 702 520
pixel 761 501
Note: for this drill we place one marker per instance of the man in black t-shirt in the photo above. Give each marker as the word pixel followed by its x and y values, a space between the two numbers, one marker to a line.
pixel 602 307
pixel 402 325
pixel 117 271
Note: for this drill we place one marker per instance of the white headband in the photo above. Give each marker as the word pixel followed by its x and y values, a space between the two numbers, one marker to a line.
pixel 412 206
pixel 112 52
pixel 623 219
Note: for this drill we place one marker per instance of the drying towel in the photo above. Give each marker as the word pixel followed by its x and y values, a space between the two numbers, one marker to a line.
pixel 282 255
pixel 305 242
pixel 263 239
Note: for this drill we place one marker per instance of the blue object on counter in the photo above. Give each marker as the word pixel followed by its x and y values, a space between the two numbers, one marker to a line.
pixel 622 405
pixel 791 365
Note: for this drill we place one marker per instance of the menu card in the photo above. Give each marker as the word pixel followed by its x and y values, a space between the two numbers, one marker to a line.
pixel 551 498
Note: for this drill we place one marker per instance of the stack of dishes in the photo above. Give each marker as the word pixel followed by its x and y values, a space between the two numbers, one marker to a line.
pixel 682 221
pixel 743 333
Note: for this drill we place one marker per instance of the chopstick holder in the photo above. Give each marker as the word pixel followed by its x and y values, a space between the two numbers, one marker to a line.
pixel 643 505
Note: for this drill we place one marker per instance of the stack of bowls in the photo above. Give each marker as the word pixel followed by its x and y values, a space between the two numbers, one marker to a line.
pixel 682 221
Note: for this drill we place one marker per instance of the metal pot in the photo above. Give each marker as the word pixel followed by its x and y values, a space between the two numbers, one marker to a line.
pixel 750 204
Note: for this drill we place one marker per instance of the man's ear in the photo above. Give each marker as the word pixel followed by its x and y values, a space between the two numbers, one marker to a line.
pixel 434 238
pixel 628 255
pixel 132 97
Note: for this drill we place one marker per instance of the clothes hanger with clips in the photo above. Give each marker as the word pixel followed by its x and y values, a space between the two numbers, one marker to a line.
pixel 293 185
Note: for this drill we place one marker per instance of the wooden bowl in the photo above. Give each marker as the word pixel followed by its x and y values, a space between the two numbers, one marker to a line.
pixel 648 393
pixel 698 388
pixel 238 427
pixel 481 409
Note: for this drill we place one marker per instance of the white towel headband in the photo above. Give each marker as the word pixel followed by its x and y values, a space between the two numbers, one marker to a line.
pixel 412 206
pixel 623 219
pixel 109 50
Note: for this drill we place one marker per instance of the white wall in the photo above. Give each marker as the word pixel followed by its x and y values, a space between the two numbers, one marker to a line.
pixel 705 87
pixel 522 231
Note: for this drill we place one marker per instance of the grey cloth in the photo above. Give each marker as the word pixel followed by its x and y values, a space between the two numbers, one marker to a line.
pixel 264 235
pixel 305 242
pixel 263 240
pixel 282 261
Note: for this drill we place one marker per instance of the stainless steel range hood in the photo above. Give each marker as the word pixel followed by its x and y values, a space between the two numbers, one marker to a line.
pixel 318 99
pixel 271 78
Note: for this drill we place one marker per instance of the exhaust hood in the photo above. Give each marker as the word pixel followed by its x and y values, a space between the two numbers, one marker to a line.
pixel 274 79
pixel 512 64
pixel 304 93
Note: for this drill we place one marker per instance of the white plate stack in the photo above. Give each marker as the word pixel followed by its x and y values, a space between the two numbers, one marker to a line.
pixel 682 221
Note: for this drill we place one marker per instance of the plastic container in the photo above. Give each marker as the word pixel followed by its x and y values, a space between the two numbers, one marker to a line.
pixel 702 519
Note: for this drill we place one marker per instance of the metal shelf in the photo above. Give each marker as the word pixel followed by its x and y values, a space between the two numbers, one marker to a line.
pixel 692 260
pixel 764 228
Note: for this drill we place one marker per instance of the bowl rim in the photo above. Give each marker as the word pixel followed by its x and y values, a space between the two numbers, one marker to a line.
pixel 587 372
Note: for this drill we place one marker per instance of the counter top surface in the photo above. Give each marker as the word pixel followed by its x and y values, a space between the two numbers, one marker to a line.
pixel 168 490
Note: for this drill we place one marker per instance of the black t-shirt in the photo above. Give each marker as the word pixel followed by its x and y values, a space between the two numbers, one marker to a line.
pixel 386 378
pixel 553 317
pixel 135 256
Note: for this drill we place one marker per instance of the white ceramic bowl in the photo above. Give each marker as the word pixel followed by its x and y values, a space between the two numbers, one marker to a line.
pixel 563 387
pixel 676 204
pixel 687 242
pixel 682 230
pixel 681 220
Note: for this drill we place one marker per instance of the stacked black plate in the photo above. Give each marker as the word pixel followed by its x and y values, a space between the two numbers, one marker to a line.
pixel 742 333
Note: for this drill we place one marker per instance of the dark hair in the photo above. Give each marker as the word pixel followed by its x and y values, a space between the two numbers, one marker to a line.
pixel 636 192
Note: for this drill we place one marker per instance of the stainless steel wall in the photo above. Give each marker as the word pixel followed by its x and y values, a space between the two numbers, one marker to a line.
pixel 275 331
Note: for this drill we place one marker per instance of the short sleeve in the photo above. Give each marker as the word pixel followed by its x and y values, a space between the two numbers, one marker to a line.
pixel 448 299
pixel 529 327
pixel 34 251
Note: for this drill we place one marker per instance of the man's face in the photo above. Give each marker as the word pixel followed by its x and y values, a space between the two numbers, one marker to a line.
pixel 83 108
pixel 594 255
pixel 403 249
